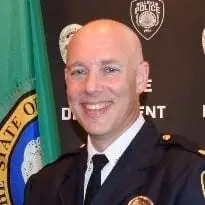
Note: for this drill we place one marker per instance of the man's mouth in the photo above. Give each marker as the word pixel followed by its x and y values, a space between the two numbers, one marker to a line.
pixel 96 109
pixel 97 106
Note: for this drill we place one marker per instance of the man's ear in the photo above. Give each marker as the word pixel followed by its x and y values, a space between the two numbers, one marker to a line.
pixel 142 77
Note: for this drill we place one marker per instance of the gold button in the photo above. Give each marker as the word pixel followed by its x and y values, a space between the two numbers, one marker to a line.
pixel 201 151
pixel 166 137
pixel 82 145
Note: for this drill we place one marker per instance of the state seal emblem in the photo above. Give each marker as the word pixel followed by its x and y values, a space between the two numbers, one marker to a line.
pixel 20 148
pixel 147 16
pixel 140 200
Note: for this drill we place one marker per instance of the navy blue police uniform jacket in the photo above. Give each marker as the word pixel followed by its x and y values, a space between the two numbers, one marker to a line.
pixel 155 169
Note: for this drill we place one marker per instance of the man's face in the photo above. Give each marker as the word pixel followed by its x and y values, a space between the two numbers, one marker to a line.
pixel 102 86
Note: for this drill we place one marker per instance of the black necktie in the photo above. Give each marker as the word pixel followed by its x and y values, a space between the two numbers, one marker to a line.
pixel 94 184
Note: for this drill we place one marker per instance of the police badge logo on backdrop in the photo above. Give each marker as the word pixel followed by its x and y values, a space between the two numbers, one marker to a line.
pixel 65 37
pixel 147 16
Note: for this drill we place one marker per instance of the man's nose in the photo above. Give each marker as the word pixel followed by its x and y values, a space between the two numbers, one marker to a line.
pixel 93 84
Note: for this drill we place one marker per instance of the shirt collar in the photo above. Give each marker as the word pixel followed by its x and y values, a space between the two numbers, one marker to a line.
pixel 116 149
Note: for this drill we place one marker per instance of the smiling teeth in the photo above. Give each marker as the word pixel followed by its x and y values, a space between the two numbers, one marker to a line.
pixel 96 106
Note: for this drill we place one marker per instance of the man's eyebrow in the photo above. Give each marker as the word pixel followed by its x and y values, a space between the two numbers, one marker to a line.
pixel 109 61
pixel 75 64
pixel 100 62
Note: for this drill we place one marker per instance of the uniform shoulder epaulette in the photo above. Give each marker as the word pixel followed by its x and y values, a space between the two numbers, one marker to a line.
pixel 171 140
pixel 71 154
pixel 67 155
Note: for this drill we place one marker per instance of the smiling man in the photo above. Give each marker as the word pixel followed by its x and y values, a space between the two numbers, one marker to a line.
pixel 105 75
pixel 126 160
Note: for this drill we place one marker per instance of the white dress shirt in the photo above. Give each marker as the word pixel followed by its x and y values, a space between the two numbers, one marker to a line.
pixel 113 152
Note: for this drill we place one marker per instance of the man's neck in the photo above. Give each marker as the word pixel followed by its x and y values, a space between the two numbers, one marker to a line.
pixel 101 143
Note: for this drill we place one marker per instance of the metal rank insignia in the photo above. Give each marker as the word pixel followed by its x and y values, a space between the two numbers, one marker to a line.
pixel 140 200
pixel 203 182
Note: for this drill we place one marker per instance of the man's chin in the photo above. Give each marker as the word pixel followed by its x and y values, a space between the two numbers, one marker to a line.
pixel 95 125
pixel 96 131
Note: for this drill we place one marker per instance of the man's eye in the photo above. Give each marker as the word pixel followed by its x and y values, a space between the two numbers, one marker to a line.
pixel 78 72
pixel 111 69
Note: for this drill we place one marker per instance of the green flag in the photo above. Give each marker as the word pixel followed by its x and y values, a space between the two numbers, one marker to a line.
pixel 28 129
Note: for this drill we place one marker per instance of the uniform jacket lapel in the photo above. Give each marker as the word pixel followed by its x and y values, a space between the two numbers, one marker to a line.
pixel 72 189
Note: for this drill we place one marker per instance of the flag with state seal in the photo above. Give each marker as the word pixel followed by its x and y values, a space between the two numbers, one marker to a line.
pixel 28 130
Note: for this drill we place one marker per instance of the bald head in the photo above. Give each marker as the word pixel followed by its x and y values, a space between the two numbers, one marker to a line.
pixel 99 31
